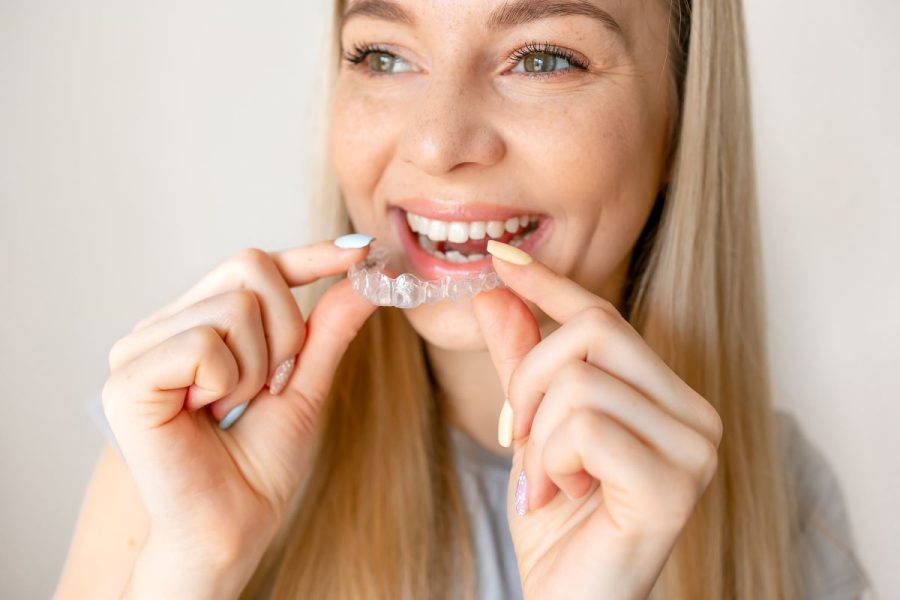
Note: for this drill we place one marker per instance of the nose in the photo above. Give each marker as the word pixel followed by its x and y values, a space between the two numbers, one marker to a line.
pixel 450 128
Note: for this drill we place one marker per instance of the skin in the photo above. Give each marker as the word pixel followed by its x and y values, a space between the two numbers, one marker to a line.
pixel 586 148
pixel 591 400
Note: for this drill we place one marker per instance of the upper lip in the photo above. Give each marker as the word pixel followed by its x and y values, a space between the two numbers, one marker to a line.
pixel 445 210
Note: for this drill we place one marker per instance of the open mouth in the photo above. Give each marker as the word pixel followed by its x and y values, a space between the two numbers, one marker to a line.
pixel 463 242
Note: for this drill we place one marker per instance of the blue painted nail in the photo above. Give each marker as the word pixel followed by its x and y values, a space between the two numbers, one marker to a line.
pixel 353 240
pixel 233 415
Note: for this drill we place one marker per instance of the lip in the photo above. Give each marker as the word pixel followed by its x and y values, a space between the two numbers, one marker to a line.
pixel 444 210
pixel 429 267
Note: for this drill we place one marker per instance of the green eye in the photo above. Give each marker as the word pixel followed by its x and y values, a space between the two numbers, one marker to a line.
pixel 385 62
pixel 542 62
pixel 381 62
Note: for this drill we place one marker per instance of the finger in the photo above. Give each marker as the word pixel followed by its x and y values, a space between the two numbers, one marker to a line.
pixel 333 323
pixel 283 324
pixel 235 316
pixel 149 391
pixel 578 385
pixel 509 328
pixel 606 342
pixel 558 296
pixel 630 473
pixel 297 266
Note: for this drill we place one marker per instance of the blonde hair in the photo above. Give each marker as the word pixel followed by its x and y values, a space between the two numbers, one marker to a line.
pixel 380 514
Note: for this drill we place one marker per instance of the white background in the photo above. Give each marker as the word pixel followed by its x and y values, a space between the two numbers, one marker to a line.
pixel 143 142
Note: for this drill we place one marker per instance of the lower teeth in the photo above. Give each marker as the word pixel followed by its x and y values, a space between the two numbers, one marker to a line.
pixel 455 256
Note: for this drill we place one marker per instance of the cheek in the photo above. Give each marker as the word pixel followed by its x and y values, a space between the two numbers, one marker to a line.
pixel 600 161
pixel 594 149
pixel 362 130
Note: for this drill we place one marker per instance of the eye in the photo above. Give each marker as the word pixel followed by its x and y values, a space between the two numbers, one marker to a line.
pixel 541 62
pixel 542 59
pixel 377 60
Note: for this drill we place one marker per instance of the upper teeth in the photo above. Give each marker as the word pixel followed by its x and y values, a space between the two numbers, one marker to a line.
pixel 463 231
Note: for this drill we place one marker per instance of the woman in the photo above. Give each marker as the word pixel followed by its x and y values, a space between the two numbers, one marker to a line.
pixel 358 453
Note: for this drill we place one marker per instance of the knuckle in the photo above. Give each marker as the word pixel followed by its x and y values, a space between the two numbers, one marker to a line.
pixel 708 419
pixel 575 373
pixel 329 325
pixel 251 259
pixel 108 393
pixel 711 464
pixel 115 353
pixel 243 303
pixel 294 330
pixel 716 426
pixel 205 339
pixel 707 461
pixel 584 424
pixel 516 384
pixel 601 316
pixel 681 497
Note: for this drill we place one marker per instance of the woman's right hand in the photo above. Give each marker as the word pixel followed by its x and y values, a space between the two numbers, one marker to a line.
pixel 215 497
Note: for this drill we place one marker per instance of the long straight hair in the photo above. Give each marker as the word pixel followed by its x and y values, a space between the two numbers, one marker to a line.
pixel 380 514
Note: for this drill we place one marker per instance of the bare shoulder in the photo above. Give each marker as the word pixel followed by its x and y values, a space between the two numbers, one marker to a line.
pixel 109 533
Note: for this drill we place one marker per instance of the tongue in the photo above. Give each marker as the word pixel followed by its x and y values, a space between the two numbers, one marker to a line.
pixel 474 246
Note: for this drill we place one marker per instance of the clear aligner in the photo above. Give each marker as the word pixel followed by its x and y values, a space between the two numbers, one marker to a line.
pixel 408 291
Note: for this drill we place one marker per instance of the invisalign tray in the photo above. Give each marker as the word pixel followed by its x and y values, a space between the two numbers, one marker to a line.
pixel 408 291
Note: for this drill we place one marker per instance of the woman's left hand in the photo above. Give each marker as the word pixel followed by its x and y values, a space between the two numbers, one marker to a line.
pixel 600 417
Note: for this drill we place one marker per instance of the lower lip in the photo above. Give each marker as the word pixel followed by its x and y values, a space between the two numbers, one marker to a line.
pixel 430 267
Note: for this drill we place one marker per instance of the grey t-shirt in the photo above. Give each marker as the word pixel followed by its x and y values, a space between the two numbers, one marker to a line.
pixel 828 563
pixel 829 566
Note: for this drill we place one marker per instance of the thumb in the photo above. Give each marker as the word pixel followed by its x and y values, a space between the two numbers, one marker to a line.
pixel 333 323
pixel 509 329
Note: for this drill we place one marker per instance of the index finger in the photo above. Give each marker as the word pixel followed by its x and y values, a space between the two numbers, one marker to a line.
pixel 559 297
pixel 305 264
pixel 297 266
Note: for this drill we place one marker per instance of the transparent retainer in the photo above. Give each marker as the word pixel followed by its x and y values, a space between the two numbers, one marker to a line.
pixel 369 280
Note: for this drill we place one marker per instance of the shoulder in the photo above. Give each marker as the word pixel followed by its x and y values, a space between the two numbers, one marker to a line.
pixel 823 535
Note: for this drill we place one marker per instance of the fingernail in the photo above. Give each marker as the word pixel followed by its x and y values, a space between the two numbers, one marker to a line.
pixel 511 254
pixel 353 240
pixel 281 376
pixel 233 415
pixel 522 494
pixel 505 425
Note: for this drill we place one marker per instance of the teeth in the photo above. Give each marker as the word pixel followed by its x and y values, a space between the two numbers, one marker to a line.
pixel 495 229
pixel 462 231
pixel 458 232
pixel 437 230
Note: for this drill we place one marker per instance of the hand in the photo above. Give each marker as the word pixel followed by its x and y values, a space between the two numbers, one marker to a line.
pixel 601 418
pixel 216 497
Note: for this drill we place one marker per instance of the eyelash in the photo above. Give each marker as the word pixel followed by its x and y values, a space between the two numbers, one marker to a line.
pixel 359 53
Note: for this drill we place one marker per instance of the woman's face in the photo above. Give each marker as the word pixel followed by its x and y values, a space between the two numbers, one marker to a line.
pixel 456 113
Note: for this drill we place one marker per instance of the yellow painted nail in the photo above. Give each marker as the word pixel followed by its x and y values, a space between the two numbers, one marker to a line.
pixel 508 253
pixel 505 425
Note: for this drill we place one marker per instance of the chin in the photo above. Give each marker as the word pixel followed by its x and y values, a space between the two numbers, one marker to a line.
pixel 450 325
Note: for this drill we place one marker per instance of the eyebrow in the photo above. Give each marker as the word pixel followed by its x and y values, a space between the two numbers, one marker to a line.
pixel 509 14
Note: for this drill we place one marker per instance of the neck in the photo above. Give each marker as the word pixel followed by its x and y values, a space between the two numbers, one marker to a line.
pixel 471 391
pixel 468 382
